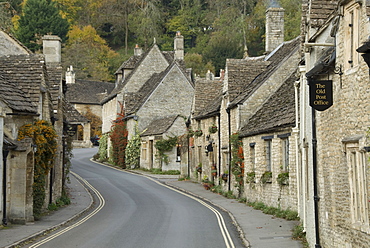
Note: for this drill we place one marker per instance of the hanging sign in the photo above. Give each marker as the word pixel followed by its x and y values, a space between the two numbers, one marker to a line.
pixel 321 94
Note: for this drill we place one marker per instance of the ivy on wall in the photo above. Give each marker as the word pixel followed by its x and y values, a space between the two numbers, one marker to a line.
pixel 163 146
pixel 237 160
pixel 118 137
pixel 44 137
pixel 133 150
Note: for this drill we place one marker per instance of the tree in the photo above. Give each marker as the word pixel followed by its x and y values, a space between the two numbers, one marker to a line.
pixel 40 17
pixel 89 54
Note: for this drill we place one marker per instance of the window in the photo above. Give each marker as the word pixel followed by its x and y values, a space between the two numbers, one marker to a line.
pixel 356 161
pixel 268 154
pixel 178 153
pixel 144 150
pixel 285 153
pixel 252 152
pixel 351 37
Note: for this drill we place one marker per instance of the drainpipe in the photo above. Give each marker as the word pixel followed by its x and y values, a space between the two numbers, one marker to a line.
pixel 187 123
pixel 5 155
pixel 229 130
pixel 314 168
pixel 219 148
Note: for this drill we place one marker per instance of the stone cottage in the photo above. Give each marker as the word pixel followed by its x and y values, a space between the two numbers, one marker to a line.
pixel 250 82
pixel 16 172
pixel 150 86
pixel 269 142
pixel 334 123
pixel 85 96
pixel 204 143
pixel 37 83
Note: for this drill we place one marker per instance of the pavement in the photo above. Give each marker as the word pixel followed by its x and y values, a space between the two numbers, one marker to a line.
pixel 257 230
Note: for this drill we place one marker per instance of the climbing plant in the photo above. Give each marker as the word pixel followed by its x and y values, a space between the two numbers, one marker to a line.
pixel 163 146
pixel 103 148
pixel 133 150
pixel 237 161
pixel 44 137
pixel 118 137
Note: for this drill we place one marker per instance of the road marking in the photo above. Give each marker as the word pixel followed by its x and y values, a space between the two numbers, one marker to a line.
pixel 224 231
pixel 101 205
pixel 221 223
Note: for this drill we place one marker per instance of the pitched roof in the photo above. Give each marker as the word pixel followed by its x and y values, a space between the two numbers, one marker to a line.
pixel 160 126
pixel 133 101
pixel 208 96
pixel 320 11
pixel 55 77
pixel 15 47
pixel 169 56
pixel 241 72
pixel 15 98
pixel 130 63
pixel 278 112
pixel 71 115
pixel 28 71
pixel 276 57
pixel 88 92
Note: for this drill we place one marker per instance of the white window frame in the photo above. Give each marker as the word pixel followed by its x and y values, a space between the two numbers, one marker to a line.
pixel 351 35
pixel 359 202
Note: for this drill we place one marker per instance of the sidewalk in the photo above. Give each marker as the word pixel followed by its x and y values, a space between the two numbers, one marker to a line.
pixel 259 230
pixel 81 201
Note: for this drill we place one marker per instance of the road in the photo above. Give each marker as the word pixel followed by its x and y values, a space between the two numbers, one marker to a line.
pixel 136 211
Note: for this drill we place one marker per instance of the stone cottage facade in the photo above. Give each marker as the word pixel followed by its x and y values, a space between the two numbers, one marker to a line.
pixel 32 89
pixel 334 122
pixel 150 86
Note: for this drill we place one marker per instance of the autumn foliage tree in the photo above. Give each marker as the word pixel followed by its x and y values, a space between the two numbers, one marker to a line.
pixel 89 54
pixel 118 137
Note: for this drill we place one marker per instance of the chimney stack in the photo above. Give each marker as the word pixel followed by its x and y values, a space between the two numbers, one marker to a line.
pixel 70 75
pixel 52 49
pixel 138 51
pixel 179 46
pixel 274 28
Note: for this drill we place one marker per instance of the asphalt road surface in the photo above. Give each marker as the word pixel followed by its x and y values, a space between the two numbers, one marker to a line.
pixel 135 211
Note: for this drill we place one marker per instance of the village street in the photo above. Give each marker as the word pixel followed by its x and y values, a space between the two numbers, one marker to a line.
pixel 135 211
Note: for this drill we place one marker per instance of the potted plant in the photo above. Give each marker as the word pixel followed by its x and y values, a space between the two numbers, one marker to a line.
pixel 214 172
pixel 266 177
pixel 251 177
pixel 206 183
pixel 283 178
pixel 199 168
pixel 213 129
pixel 198 133
pixel 225 176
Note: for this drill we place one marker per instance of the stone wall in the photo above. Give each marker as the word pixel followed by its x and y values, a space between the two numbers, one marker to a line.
pixel 154 62
pixel 172 97
pixel 270 193
pixel 348 117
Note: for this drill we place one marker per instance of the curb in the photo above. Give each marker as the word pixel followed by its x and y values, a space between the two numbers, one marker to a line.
pixel 55 227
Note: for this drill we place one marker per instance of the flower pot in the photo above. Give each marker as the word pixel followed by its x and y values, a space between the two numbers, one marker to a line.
pixel 225 177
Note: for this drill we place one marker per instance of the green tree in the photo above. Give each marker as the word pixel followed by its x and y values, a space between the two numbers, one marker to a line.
pixel 40 17
pixel 292 20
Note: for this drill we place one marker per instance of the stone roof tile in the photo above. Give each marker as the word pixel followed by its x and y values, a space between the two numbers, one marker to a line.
pixel 277 113
pixel 208 96
pixel 15 98
pixel 28 71
pixel 88 92
pixel 160 126
pixel 275 58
